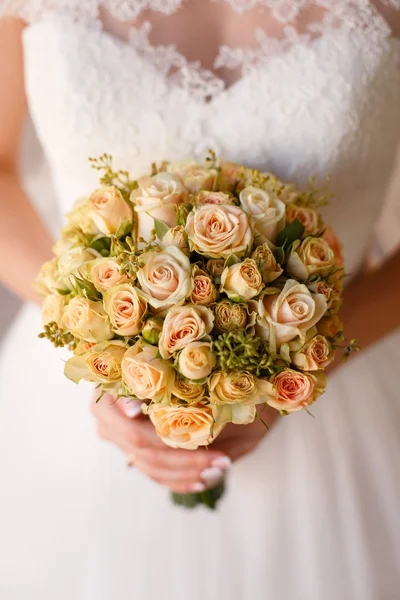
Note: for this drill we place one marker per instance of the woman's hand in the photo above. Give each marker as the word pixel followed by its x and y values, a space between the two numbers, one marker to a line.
pixel 182 471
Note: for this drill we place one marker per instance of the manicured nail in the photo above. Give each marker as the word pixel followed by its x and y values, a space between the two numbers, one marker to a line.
pixel 132 408
pixel 211 476
pixel 197 487
pixel 222 462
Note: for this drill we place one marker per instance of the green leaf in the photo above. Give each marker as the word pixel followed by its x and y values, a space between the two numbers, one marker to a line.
pixel 161 228
pixel 231 260
pixel 279 255
pixel 292 232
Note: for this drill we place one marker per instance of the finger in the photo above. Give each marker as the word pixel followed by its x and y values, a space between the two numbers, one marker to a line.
pixel 235 448
pixel 192 460
pixel 129 407
pixel 129 434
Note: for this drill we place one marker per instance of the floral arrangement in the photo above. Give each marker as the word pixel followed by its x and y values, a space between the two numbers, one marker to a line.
pixel 204 290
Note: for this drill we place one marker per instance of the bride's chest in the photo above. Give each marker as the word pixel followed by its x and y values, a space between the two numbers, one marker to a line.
pixel 300 112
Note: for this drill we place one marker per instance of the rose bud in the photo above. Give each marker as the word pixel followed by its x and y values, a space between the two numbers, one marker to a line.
pixel 152 330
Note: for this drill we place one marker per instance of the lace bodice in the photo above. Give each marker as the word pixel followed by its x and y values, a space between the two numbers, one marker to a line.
pixel 300 88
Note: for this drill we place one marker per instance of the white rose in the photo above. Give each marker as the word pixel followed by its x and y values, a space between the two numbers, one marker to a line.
pixel 242 281
pixel 219 230
pixel 196 360
pixel 183 325
pixel 268 212
pixel 146 376
pixel 289 313
pixel 158 197
pixel 165 277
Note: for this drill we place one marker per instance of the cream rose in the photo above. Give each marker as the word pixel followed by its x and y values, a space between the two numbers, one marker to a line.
pixel 316 354
pixel 183 325
pixel 165 277
pixel 109 211
pixel 158 197
pixel 75 259
pixel 176 237
pixel 188 391
pixel 242 281
pixel 205 197
pixel 219 231
pixel 234 396
pixel 204 291
pixel 215 266
pixel 87 320
pixel 307 216
pixel 291 390
pixel 291 312
pixel 70 237
pixel 52 308
pixel 268 212
pixel 126 309
pixel 145 376
pixel 230 316
pixel 309 257
pixel 78 218
pixel 101 363
pixel 196 360
pixel 105 273
pixel 186 427
pixel 48 280
pixel 333 242
pixel 195 176
pixel 266 262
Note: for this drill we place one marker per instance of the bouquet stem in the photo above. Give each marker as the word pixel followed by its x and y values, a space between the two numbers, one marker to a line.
pixel 208 497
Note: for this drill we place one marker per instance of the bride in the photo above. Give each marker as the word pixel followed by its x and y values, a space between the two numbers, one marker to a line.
pixel 313 507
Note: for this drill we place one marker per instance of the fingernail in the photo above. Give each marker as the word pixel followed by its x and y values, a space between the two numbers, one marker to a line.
pixel 197 487
pixel 222 462
pixel 212 476
pixel 132 408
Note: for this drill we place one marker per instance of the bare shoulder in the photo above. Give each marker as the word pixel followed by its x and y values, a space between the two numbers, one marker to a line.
pixel 390 10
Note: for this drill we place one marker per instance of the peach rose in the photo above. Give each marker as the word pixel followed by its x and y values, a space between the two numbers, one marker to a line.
pixel 309 257
pixel 87 320
pixel 291 312
pixel 242 281
pixel 158 197
pixel 204 291
pixel 145 376
pixel 316 354
pixel 266 262
pixel 188 391
pixel 333 242
pixel 320 287
pixel 234 396
pixel 230 316
pixel 215 266
pixel 330 326
pixel 219 231
pixel 195 176
pixel 176 237
pixel 307 216
pixel 52 308
pixel 109 211
pixel 126 308
pixel 101 363
pixel 183 325
pixel 268 213
pixel 165 277
pixel 205 197
pixel 105 273
pixel 291 390
pixel 196 360
pixel 186 427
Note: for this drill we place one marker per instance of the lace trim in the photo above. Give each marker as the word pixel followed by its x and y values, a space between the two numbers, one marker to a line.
pixel 358 16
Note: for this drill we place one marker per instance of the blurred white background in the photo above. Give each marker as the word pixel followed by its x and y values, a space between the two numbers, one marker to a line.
pixel 37 182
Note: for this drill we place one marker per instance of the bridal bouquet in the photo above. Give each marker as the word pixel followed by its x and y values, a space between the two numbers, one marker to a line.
pixel 204 290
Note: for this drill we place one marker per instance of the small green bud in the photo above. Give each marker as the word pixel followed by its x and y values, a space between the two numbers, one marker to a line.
pixel 152 330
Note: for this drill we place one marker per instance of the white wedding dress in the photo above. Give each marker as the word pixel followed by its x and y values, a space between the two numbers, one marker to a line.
pixel 314 512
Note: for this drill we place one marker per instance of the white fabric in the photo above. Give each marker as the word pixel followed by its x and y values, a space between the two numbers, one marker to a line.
pixel 314 512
